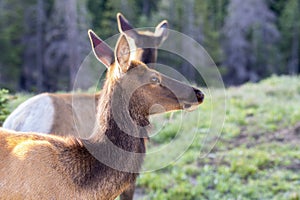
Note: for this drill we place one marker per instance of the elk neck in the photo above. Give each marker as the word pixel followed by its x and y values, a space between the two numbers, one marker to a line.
pixel 110 135
pixel 119 121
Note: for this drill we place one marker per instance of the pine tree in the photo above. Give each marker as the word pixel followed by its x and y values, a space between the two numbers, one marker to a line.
pixel 250 41
pixel 108 24
pixel 66 43
pixel 290 30
pixel 11 32
pixel 32 65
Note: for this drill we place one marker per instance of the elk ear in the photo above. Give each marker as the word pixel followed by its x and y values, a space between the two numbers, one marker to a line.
pixel 124 26
pixel 161 31
pixel 122 53
pixel 101 50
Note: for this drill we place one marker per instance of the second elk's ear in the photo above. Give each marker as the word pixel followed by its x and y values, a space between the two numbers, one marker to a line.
pixel 101 50
pixel 122 53
pixel 125 27
pixel 161 31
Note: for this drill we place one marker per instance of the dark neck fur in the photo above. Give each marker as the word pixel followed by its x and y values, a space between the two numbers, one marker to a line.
pixel 105 159
pixel 90 175
pixel 118 119
pixel 149 55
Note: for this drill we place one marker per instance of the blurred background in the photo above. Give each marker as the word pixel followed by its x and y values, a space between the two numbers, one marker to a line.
pixel 44 42
pixel 255 45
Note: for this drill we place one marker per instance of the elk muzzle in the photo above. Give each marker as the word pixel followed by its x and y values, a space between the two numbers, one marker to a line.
pixel 196 98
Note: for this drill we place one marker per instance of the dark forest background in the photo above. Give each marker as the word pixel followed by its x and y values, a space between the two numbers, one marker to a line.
pixel 43 42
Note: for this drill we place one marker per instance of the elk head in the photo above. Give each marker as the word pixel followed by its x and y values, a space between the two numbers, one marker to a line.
pixel 137 88
pixel 144 44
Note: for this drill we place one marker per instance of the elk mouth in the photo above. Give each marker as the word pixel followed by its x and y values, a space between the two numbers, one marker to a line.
pixel 189 106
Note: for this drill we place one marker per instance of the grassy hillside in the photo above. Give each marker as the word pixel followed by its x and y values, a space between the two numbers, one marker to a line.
pixel 256 156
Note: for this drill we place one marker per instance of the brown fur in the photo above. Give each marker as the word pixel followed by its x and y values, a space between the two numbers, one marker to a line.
pixel 35 166
pixel 48 167
pixel 77 120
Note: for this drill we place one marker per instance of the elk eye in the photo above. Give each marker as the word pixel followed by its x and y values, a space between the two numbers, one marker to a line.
pixel 155 80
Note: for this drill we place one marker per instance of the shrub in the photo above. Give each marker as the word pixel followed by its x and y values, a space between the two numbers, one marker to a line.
pixel 4 111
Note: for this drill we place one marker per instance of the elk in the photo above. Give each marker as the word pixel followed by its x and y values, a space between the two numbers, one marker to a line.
pixel 53 113
pixel 41 166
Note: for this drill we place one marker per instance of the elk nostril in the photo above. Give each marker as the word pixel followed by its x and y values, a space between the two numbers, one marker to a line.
pixel 199 95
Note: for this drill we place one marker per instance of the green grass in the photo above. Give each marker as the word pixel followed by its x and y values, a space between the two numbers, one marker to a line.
pixel 257 155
